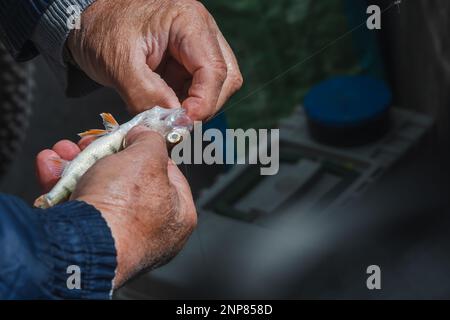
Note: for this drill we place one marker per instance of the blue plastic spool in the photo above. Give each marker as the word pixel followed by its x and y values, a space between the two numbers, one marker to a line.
pixel 348 110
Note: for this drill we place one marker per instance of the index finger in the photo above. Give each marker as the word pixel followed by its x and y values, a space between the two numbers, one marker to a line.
pixel 198 50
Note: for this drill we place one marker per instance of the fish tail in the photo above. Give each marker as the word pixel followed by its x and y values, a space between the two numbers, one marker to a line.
pixel 42 202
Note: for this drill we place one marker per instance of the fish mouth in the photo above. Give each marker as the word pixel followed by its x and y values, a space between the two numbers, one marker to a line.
pixel 171 123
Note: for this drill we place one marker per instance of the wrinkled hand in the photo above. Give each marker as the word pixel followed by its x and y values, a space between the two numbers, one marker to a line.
pixel 141 194
pixel 157 52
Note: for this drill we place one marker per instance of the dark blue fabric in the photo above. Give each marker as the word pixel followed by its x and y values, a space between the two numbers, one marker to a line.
pixel 18 19
pixel 37 246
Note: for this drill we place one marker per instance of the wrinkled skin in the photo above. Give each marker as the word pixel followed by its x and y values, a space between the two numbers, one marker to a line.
pixel 153 52
pixel 140 192
pixel 157 52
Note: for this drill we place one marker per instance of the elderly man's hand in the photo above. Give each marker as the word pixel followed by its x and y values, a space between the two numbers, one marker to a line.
pixel 157 52
pixel 141 194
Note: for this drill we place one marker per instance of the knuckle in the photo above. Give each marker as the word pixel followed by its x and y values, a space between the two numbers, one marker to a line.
pixel 236 81
pixel 151 136
pixel 193 17
pixel 199 8
pixel 144 135
pixel 192 8
pixel 220 68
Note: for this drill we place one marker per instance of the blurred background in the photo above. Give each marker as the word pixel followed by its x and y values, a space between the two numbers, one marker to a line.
pixel 333 210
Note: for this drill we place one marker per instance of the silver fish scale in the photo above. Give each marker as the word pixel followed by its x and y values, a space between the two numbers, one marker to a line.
pixel 163 121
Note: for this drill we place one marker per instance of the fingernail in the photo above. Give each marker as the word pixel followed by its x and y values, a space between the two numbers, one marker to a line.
pixel 54 171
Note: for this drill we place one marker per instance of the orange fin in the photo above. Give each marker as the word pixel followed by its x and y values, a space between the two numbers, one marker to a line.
pixel 58 166
pixel 109 122
pixel 93 133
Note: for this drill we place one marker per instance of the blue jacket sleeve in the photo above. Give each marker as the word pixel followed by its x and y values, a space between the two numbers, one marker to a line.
pixel 66 252
pixel 32 27
pixel 50 37
pixel 18 20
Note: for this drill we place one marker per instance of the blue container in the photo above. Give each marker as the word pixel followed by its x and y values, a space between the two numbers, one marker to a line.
pixel 348 110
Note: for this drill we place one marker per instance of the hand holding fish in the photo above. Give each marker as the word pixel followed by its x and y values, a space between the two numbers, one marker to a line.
pixel 142 195
pixel 171 124
pixel 157 52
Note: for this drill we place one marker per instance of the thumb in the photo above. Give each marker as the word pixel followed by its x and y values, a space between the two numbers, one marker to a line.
pixel 145 147
pixel 142 89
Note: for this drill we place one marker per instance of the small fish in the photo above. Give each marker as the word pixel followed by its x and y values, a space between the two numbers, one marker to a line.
pixel 173 124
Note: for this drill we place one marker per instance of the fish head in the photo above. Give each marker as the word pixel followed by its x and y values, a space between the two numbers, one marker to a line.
pixel 174 124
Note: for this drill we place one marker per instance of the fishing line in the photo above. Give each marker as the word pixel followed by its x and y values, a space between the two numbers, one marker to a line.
pixel 202 249
pixel 294 66
pixel 272 81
